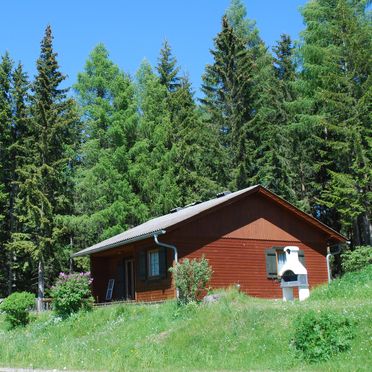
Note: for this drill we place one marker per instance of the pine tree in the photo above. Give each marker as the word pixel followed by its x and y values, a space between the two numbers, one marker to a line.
pixel 167 68
pixel 273 97
pixel 19 262
pixel 45 179
pixel 106 96
pixel 270 123
pixel 227 90
pixel 151 172
pixel 284 65
pixel 335 89
pixel 198 160
pixel 6 67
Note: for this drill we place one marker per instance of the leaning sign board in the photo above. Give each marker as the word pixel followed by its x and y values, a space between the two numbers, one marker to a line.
pixel 110 289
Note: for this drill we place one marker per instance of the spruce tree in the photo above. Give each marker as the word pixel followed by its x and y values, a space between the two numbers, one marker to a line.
pixel 6 67
pixel 18 152
pixel 167 68
pixel 272 158
pixel 45 178
pixel 335 89
pixel 152 171
pixel 274 94
pixel 198 159
pixel 105 203
pixel 227 96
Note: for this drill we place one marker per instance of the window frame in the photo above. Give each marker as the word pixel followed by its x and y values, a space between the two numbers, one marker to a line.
pixel 149 273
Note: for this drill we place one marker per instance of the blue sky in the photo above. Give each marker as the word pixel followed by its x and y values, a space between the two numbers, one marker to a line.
pixel 133 30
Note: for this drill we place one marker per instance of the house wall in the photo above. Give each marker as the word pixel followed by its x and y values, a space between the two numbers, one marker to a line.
pixel 233 239
pixel 105 266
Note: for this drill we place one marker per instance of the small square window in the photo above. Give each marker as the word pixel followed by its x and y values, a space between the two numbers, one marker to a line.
pixel 153 263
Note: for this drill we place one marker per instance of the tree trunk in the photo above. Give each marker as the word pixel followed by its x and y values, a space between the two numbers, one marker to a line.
pixel 10 273
pixel 40 285
pixel 362 231
pixel 365 229
pixel 356 234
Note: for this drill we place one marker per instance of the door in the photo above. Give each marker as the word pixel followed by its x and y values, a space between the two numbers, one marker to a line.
pixel 129 287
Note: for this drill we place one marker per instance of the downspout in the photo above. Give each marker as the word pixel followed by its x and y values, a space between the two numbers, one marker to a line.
pixel 174 248
pixel 329 256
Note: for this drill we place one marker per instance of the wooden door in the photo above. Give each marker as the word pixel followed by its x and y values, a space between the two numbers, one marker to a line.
pixel 129 285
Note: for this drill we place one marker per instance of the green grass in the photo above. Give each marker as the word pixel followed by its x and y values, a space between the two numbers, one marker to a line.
pixel 238 333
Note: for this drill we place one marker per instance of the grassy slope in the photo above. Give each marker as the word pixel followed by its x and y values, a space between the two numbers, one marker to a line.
pixel 239 333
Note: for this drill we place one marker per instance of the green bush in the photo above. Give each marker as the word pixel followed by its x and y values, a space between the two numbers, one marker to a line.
pixel 191 278
pixel 72 293
pixel 357 259
pixel 355 285
pixel 320 335
pixel 16 308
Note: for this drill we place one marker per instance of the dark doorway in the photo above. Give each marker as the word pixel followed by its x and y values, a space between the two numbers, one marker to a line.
pixel 129 285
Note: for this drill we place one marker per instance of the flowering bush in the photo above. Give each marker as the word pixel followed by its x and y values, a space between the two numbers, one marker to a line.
pixel 17 307
pixel 72 293
pixel 191 279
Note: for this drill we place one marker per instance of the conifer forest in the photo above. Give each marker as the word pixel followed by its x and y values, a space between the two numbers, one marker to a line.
pixel 80 165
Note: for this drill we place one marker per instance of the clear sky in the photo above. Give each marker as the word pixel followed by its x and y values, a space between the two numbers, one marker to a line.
pixel 133 30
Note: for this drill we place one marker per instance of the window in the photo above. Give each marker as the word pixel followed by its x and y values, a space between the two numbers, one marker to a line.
pixel 153 263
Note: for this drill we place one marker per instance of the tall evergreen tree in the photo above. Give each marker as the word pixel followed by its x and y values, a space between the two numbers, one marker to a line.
pixel 335 89
pixel 270 123
pixel 6 67
pixel 151 172
pixel 284 65
pixel 19 263
pixel 227 95
pixel 106 96
pixel 45 179
pixel 167 68
pixel 198 159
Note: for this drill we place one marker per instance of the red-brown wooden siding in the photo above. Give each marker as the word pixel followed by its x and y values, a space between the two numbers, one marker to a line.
pixel 234 240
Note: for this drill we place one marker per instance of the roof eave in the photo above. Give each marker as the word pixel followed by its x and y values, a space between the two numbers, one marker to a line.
pixel 89 251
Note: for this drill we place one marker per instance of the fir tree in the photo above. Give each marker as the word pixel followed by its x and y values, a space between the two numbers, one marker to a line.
pixel 227 90
pixel 6 67
pixel 272 158
pixel 18 154
pixel 167 68
pixel 284 66
pixel 198 160
pixel 151 172
pixel 45 179
pixel 335 85
pixel 106 96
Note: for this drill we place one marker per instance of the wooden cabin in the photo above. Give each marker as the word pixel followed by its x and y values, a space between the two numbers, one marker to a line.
pixel 242 234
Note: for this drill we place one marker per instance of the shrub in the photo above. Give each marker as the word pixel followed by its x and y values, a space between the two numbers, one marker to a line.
pixel 191 278
pixel 357 259
pixel 72 293
pixel 320 335
pixel 356 285
pixel 16 308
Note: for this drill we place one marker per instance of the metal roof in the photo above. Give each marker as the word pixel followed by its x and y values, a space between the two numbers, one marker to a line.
pixel 159 224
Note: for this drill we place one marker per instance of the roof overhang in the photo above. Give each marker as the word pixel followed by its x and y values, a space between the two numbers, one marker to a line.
pixel 89 251
pixel 332 235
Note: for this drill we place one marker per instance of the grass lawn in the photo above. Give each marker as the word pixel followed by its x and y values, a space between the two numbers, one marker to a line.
pixel 238 333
